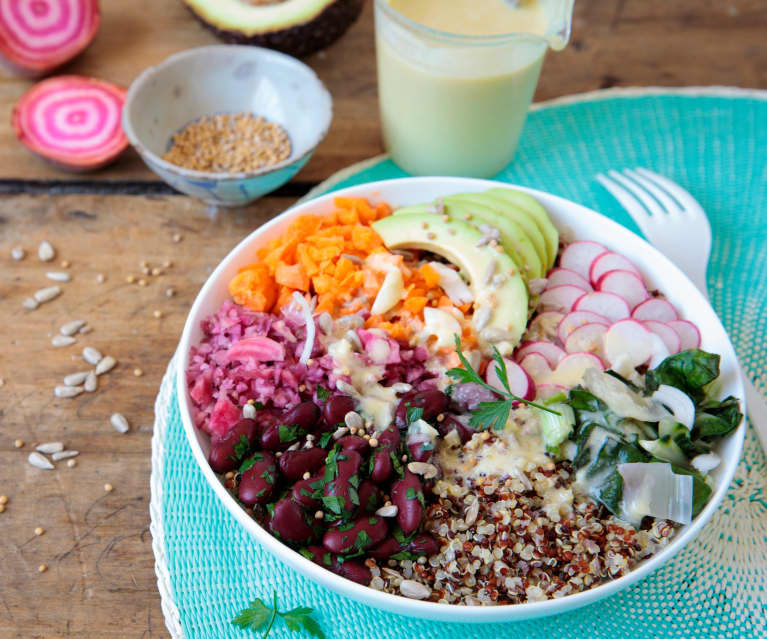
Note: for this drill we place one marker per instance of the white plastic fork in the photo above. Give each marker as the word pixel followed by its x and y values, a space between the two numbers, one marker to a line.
pixel 665 212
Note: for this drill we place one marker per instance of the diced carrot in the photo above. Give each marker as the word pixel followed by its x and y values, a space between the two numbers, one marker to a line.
pixel 293 276
pixel 365 239
pixel 254 288
pixel 415 304
pixel 285 297
pixel 430 275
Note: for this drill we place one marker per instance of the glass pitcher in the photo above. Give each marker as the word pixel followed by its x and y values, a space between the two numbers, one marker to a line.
pixel 455 104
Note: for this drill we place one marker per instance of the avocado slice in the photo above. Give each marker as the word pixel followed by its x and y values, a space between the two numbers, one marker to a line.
pixel 518 215
pixel 500 294
pixel 537 212
pixel 296 27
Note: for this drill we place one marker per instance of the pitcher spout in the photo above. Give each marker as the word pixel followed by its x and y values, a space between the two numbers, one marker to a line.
pixel 559 16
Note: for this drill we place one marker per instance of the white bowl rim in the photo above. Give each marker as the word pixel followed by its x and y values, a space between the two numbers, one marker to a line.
pixel 172 59
pixel 426 609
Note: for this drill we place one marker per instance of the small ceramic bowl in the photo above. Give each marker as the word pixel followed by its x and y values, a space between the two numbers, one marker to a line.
pixel 226 79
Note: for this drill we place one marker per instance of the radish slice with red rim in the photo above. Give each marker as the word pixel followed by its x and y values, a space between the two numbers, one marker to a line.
pixel 578 256
pixel 628 344
pixel 689 334
pixel 574 319
pixel 610 305
pixel 545 325
pixel 626 284
pixel 536 366
pixel 37 36
pixel 72 121
pixel 564 276
pixel 551 352
pixel 588 338
pixel 655 309
pixel 667 333
pixel 609 261
pixel 520 383
pixel 560 298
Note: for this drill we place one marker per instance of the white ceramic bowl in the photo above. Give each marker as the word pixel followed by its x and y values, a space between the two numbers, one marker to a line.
pixel 226 79
pixel 579 222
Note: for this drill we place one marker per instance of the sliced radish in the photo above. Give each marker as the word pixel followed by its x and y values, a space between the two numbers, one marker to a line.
pixel 655 309
pixel 560 298
pixel 609 261
pixel 624 283
pixel 659 350
pixel 564 276
pixel 547 391
pixel 609 305
pixel 669 336
pixel 578 256
pixel 689 334
pixel 628 344
pixel 520 382
pixel 37 36
pixel 569 372
pixel 551 352
pixel 588 338
pixel 73 121
pixel 545 325
pixel 574 319
pixel 536 366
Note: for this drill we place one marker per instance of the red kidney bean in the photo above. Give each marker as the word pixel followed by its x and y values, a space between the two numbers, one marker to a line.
pixel 421 451
pixel 294 463
pixel 289 522
pixel 227 452
pixel 465 432
pixel 257 482
pixel 388 547
pixel 361 534
pixel 304 415
pixel 348 464
pixel 283 430
pixel 432 401
pixel 335 408
pixel 303 490
pixel 381 465
pixel 355 443
pixel 423 544
pixel 369 496
pixel 407 496
pixel 350 569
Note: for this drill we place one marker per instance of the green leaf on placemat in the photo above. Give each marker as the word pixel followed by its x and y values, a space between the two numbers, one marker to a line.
pixel 258 614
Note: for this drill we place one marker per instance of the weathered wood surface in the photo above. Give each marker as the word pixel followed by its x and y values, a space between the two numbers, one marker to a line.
pixel 100 580
pixel 615 42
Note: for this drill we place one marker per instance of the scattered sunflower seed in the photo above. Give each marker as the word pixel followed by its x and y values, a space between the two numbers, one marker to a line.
pixel 18 253
pixel 47 294
pixel 64 454
pixel 119 422
pixel 92 355
pixel 91 382
pixel 429 471
pixel 70 328
pixel 62 340
pixel 353 420
pixel 38 461
pixel 340 432
pixel 31 303
pixel 50 447
pixel 105 365
pixel 45 251
pixel 86 329
pixel 67 391
pixel 387 511
pixel 248 411
pixel 75 379
pixel 58 276
pixel 414 589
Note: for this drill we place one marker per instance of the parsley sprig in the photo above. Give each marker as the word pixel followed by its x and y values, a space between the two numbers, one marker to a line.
pixel 258 614
pixel 489 414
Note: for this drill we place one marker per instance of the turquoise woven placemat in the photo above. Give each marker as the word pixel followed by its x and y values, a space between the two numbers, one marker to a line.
pixel 714 143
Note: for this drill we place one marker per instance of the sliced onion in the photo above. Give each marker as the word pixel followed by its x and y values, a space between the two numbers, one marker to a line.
pixel 311 331
pixel 620 398
pixel 677 402
pixel 654 490
pixel 705 463
pixel 451 282
pixel 390 292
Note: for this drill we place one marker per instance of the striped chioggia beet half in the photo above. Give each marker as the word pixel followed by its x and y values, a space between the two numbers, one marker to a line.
pixel 72 121
pixel 37 36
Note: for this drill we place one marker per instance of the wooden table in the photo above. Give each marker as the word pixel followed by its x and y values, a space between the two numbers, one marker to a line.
pixel 100 580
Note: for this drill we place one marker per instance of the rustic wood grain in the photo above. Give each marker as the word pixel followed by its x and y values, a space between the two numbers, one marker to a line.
pixel 100 580
pixel 615 42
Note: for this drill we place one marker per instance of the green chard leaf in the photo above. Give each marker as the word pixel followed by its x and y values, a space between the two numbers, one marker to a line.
pixel 717 418
pixel 689 371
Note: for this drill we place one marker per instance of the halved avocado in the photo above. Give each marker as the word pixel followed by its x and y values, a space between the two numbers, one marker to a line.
pixel 297 27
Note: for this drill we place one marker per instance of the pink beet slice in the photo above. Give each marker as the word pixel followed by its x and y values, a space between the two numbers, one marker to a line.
pixel 655 309
pixel 627 284
pixel 72 121
pixel 38 36
pixel 579 256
